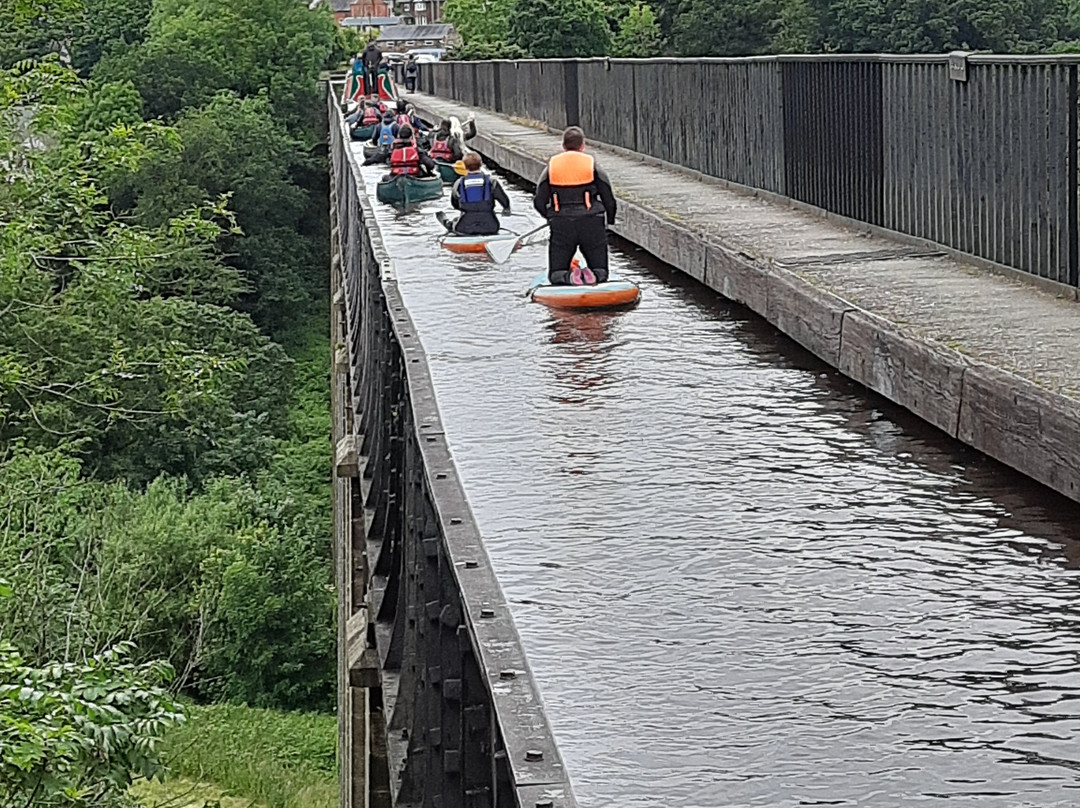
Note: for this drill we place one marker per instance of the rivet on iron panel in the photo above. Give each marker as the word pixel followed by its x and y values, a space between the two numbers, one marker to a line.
pixel 430 438
pixel 534 755
pixel 508 674
pixel 440 476
pixel 455 521
pixel 471 565
pixel 487 613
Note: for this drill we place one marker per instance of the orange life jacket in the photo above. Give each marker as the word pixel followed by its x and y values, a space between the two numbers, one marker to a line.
pixel 405 159
pixel 572 176
pixel 371 116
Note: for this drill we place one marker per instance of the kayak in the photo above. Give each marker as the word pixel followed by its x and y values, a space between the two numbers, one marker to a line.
pixel 449 171
pixel 402 190
pixel 616 291
pixel 474 244
pixel 363 132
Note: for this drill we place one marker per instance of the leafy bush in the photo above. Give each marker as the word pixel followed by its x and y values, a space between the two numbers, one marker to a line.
pixel 73 734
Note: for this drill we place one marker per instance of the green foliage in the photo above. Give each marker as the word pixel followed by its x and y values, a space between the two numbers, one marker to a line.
pixel 638 33
pixel 559 28
pixel 480 22
pixel 731 28
pixel 236 146
pixel 196 48
pixel 73 734
pixel 280 760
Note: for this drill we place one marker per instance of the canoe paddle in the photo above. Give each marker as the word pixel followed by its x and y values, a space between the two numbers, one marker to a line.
pixel 499 251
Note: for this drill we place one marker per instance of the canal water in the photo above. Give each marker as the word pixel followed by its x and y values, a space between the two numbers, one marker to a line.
pixel 740 579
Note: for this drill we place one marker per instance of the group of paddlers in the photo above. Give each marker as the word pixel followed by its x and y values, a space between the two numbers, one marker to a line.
pixel 573 194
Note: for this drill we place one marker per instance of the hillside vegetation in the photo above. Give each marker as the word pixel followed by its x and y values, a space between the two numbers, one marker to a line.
pixel 164 417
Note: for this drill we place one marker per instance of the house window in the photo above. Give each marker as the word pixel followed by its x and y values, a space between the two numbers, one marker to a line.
pixel 420 5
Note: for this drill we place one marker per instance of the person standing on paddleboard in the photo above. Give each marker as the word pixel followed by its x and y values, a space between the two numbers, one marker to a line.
pixel 575 196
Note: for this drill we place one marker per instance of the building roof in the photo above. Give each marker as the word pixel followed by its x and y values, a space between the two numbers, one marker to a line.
pixel 370 22
pixel 397 33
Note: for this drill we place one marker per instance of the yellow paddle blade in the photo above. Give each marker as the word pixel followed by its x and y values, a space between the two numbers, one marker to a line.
pixel 459 167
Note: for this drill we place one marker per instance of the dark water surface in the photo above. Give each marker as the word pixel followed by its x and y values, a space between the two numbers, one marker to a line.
pixel 740 579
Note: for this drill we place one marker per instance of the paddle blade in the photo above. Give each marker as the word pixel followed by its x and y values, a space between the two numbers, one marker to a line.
pixel 499 251
pixel 459 167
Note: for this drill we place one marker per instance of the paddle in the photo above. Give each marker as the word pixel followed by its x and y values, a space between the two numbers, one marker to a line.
pixel 499 251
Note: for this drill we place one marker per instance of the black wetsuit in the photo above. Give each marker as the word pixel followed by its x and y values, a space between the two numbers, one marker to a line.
pixel 578 222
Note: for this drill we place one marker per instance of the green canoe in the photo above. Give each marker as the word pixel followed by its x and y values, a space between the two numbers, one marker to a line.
pixel 448 171
pixel 363 132
pixel 404 190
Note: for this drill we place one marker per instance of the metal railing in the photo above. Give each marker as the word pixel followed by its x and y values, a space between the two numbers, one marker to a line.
pixel 975 153
pixel 437 705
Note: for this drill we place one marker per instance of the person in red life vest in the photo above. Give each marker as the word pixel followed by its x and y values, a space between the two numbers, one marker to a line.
pixel 404 156
pixel 475 196
pixel 404 116
pixel 575 196
pixel 448 141
pixel 372 113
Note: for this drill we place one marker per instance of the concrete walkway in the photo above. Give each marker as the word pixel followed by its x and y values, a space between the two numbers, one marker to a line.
pixel 991 360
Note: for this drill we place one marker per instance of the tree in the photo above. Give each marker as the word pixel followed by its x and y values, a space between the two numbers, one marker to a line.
pixel 73 735
pixel 638 34
pixel 727 28
pixel 235 146
pixel 480 22
pixel 196 48
pixel 113 334
pixel 549 29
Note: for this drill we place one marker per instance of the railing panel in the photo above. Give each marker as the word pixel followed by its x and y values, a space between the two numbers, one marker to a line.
pixel 434 675
pixel 607 102
pixel 985 166
pixel 832 136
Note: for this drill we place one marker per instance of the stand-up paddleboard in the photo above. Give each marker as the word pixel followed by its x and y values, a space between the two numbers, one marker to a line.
pixel 615 292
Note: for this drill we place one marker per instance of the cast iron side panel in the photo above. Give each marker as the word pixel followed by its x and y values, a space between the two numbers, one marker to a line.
pixel 744 140
pixel 607 101
pixel 455 718
pixel 832 136
pixel 987 165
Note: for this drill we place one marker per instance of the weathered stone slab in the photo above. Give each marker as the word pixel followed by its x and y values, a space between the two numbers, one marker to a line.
pixel 926 378
pixel 682 249
pixel 810 316
pixel 736 277
pixel 1022 425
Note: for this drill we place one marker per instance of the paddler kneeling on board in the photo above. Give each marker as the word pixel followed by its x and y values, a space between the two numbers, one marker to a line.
pixel 475 196
pixel 575 196
pixel 404 156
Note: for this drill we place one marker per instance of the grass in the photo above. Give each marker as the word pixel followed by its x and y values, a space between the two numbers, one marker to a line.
pixel 178 792
pixel 265 758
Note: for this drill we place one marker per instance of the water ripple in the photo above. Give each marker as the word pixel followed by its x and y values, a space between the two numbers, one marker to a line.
pixel 740 580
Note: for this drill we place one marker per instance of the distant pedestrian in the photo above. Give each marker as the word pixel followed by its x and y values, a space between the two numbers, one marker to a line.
pixel 410 74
